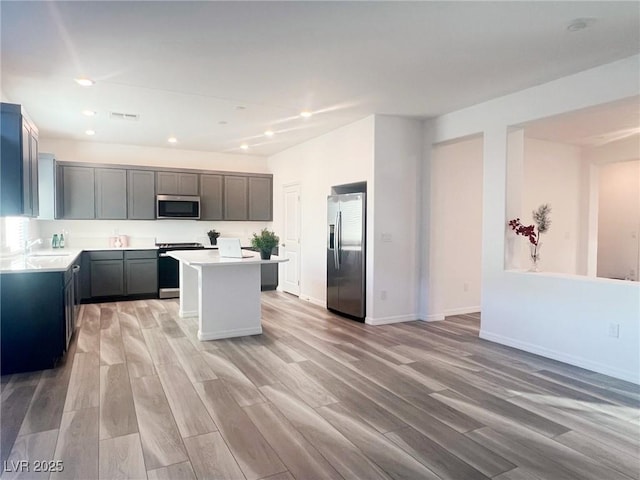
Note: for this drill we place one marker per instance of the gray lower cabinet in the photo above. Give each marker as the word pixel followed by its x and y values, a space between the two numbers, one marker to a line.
pixel 235 198
pixel 120 274
pixel 211 200
pixel 36 320
pixel 141 195
pixel 111 193
pixel 78 192
pixel 176 183
pixel 268 276
pixel 260 199
pixel 107 274
pixel 141 272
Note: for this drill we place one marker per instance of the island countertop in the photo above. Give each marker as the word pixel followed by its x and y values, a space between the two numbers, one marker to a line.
pixel 209 257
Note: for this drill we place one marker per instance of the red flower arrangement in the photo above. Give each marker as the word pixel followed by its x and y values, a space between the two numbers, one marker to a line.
pixel 541 218
pixel 524 230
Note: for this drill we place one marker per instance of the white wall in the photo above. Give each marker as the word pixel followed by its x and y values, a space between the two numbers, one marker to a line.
pixel 619 220
pixel 97 152
pixel 398 150
pixel 553 174
pixel 456 226
pixel 599 159
pixel 342 156
pixel 385 152
pixel 557 315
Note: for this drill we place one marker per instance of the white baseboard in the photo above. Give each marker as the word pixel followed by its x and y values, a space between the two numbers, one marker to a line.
pixel 392 319
pixel 188 313
pixel 561 357
pixel 461 311
pixel 238 332
pixel 315 301
pixel 436 317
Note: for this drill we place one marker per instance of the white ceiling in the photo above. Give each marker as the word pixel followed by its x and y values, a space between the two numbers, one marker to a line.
pixel 184 67
pixel 591 127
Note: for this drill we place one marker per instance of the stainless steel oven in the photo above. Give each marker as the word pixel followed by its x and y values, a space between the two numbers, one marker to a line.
pixel 169 268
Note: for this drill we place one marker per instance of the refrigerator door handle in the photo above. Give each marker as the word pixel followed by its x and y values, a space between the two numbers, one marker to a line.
pixel 339 238
pixel 336 243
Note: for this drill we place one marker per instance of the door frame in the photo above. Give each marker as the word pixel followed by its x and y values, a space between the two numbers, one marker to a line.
pixel 285 188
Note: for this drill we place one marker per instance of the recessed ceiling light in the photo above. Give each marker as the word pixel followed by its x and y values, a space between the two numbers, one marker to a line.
pixel 305 114
pixel 90 132
pixel 269 133
pixel 89 113
pixel 580 24
pixel 172 140
pixel 244 146
pixel 85 82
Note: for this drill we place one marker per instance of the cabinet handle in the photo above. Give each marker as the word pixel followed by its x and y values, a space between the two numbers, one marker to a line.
pixel 76 268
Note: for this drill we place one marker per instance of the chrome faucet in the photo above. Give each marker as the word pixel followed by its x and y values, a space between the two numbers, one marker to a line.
pixel 29 244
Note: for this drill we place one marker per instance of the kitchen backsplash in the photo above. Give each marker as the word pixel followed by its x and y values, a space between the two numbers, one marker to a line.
pixel 96 233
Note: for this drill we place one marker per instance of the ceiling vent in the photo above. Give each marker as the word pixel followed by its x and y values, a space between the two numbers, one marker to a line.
pixel 132 117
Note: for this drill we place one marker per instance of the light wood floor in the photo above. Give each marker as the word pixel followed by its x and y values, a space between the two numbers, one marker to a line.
pixel 314 397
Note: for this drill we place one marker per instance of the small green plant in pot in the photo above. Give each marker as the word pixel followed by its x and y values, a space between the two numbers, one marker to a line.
pixel 265 242
pixel 213 236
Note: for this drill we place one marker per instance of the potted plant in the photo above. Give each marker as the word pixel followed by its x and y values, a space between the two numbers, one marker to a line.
pixel 265 242
pixel 213 236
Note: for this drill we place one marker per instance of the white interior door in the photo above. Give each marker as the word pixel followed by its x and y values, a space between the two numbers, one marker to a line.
pixel 291 242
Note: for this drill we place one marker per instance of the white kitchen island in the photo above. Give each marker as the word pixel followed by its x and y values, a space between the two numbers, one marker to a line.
pixel 224 293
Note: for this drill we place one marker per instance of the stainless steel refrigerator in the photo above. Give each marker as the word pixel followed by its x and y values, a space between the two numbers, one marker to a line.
pixel 346 254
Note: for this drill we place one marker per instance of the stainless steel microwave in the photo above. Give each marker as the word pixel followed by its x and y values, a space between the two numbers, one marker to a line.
pixel 178 206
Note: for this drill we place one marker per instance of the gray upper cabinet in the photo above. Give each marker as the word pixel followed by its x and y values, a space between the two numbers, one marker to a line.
pixel 248 198
pixel 176 183
pixel 33 174
pixel 115 192
pixel 18 163
pixel 111 193
pixel 78 192
pixel 211 197
pixel 260 198
pixel 141 195
pixel 235 198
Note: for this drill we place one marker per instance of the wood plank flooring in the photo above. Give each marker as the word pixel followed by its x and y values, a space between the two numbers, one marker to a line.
pixel 315 396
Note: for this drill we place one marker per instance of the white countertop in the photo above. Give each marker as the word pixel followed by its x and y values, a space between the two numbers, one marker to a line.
pixel 51 259
pixel 210 257
pixel 58 260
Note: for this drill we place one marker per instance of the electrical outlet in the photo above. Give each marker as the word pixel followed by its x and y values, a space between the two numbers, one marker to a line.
pixel 386 237
pixel 383 294
pixel 614 330
pixel 465 286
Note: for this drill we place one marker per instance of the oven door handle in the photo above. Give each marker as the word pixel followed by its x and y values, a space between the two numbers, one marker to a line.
pixel 163 255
